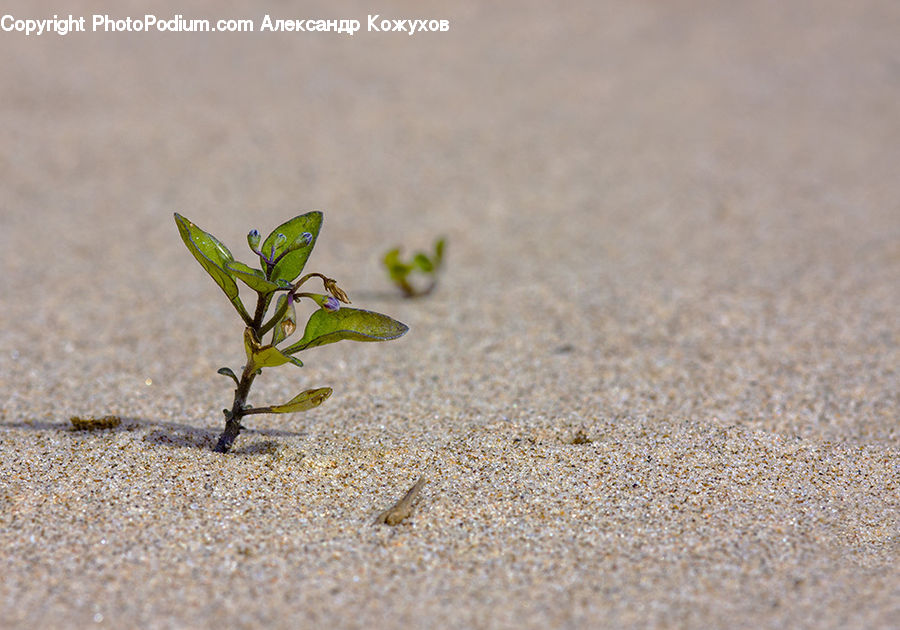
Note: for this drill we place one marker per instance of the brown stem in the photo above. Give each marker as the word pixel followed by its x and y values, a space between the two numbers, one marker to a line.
pixel 233 418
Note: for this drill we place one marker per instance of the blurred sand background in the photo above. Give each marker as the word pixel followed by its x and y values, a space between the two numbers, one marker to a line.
pixel 674 227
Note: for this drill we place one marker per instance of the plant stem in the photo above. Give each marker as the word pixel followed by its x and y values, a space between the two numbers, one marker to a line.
pixel 272 320
pixel 233 418
pixel 260 313
pixel 407 288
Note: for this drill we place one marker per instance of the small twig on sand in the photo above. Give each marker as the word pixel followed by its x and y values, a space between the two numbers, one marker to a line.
pixel 395 514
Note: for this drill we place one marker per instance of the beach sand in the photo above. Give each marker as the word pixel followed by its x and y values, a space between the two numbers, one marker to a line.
pixel 673 233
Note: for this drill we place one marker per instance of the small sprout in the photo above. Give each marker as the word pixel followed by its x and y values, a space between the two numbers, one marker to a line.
pixel 401 510
pixel 90 423
pixel 278 274
pixel 400 271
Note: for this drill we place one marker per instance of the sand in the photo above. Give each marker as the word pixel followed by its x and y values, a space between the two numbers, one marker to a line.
pixel 672 233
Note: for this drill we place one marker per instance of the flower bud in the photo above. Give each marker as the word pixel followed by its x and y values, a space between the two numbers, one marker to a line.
pixel 332 287
pixel 326 302
pixel 286 326
pixel 331 304
pixel 253 240
pixel 280 239
pixel 303 239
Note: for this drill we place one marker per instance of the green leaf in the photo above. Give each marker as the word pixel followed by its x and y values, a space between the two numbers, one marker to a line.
pixel 438 252
pixel 291 264
pixel 347 323
pixel 253 278
pixel 224 371
pixel 263 356
pixel 423 262
pixel 269 356
pixel 213 256
pixel 301 402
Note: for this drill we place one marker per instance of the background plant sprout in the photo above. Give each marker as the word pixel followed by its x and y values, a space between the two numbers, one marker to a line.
pixel 399 271
pixel 282 257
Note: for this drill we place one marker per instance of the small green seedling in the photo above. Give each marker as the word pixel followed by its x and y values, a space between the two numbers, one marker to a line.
pixel 400 271
pixel 282 256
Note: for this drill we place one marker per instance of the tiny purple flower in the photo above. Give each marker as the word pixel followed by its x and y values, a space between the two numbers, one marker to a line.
pixel 331 304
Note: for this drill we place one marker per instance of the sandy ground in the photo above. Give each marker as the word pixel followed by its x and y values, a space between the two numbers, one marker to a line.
pixel 674 227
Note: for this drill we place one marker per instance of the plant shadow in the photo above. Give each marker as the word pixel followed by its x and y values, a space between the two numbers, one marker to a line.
pixel 160 433
pixel 175 435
